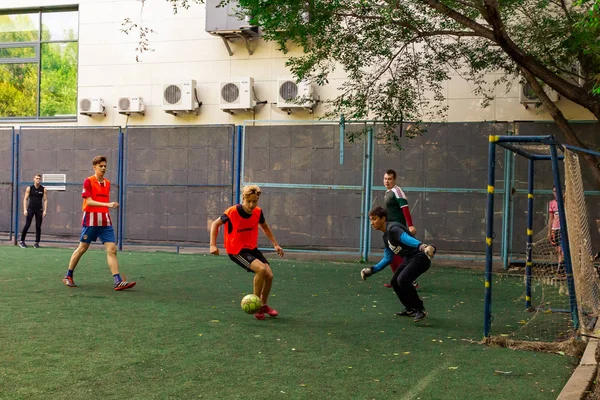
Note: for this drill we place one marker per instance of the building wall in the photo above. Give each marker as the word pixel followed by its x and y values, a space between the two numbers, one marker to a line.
pixel 183 50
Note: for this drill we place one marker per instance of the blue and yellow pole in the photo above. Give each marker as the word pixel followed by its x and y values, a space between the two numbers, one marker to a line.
pixel 528 258
pixel 489 232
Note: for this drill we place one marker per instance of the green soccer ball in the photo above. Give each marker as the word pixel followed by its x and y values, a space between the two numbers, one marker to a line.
pixel 251 304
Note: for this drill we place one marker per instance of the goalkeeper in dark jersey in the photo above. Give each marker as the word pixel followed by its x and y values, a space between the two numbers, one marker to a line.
pixel 417 260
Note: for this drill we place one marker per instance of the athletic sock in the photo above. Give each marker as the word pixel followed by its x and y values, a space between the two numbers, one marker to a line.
pixel 117 278
pixel 70 273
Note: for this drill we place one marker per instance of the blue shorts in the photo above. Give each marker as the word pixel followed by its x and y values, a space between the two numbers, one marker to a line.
pixel 90 234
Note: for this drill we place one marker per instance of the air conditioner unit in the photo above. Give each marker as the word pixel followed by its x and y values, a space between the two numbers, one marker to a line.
pixel 288 91
pixel 181 97
pixel 130 105
pixel 91 106
pixel 237 94
pixel 528 96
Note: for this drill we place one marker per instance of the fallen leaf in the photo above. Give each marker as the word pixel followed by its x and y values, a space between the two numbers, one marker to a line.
pixel 562 353
pixel 406 352
pixel 215 321
pixel 452 367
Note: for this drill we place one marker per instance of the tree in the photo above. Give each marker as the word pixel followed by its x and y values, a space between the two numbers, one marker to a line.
pixel 397 54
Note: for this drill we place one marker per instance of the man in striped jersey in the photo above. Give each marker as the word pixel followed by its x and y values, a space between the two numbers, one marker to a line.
pixel 396 205
pixel 96 224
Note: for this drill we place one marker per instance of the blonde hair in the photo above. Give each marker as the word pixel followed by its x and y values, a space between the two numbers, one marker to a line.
pixel 250 189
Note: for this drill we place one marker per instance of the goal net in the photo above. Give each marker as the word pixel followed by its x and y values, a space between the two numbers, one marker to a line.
pixel 559 300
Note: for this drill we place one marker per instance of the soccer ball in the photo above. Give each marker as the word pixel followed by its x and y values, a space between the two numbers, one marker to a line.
pixel 251 304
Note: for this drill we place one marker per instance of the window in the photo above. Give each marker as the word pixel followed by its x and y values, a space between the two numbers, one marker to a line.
pixel 38 64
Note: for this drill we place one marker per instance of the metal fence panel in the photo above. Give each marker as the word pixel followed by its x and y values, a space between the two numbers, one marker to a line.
pixel 66 151
pixel 178 179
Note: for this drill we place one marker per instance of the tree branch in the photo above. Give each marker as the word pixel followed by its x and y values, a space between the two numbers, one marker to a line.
pixel 460 18
pixel 536 67
pixel 561 122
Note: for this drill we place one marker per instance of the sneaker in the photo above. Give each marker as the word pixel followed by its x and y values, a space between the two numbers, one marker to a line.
pixel 122 285
pixel 387 285
pixel 271 311
pixel 36 245
pixel 406 313
pixel 68 280
pixel 416 284
pixel 259 315
pixel 22 245
pixel 419 315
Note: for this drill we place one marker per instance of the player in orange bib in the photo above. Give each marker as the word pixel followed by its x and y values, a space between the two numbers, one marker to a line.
pixel 241 243
pixel 96 224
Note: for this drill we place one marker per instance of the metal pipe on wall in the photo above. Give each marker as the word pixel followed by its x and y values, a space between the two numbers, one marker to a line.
pixel 121 191
pixel 13 180
pixel 16 184
pixel 238 165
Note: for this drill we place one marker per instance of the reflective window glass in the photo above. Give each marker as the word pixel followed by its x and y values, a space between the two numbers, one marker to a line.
pixel 19 28
pixel 60 25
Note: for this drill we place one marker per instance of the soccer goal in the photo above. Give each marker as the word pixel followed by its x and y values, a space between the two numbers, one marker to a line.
pixel 554 299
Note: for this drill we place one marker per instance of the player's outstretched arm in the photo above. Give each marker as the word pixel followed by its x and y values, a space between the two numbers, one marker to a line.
pixel 269 233
pixel 214 231
pixel 388 256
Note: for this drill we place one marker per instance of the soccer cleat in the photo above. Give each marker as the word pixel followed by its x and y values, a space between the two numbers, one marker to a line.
pixel 68 280
pixel 419 315
pixel 36 245
pixel 266 309
pixel 259 315
pixel 406 313
pixel 122 285
pixel 22 245
pixel 387 285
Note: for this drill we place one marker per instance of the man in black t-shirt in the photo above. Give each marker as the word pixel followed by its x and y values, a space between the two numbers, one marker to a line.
pixel 35 203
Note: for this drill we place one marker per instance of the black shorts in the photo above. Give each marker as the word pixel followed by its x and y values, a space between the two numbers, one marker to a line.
pixel 555 237
pixel 245 257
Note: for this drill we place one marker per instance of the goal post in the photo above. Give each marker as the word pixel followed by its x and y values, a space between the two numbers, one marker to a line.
pixel 533 148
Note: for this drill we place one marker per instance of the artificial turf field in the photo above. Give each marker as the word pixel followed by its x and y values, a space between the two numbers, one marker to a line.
pixel 180 334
